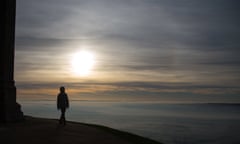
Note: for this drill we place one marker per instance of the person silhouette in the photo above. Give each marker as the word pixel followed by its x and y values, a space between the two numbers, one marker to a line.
pixel 62 104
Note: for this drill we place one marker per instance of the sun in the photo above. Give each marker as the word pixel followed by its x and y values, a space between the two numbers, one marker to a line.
pixel 82 63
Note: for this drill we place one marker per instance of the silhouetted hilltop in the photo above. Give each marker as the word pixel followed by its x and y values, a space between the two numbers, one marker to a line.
pixel 44 131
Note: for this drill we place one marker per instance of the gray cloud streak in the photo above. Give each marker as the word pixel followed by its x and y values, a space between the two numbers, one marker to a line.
pixel 190 37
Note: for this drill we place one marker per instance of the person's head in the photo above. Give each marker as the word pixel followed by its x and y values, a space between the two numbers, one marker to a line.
pixel 62 89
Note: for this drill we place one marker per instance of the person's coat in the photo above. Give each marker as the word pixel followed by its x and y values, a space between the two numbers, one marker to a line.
pixel 62 101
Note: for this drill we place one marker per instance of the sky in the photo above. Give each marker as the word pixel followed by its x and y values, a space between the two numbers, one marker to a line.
pixel 144 50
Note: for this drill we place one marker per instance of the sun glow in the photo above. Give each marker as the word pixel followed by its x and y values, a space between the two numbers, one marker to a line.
pixel 82 63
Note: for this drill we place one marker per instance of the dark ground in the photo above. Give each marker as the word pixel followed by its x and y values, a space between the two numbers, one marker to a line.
pixel 48 131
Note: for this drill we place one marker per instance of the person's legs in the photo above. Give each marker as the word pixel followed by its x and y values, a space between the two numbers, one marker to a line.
pixel 62 119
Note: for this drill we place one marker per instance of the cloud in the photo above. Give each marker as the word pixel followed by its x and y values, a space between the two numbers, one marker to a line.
pixel 203 26
pixel 146 40
pixel 137 91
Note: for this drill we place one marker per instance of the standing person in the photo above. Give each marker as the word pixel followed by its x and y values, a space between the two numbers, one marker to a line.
pixel 62 104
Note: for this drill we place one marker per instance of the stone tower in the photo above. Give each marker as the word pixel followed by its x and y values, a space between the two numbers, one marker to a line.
pixel 9 109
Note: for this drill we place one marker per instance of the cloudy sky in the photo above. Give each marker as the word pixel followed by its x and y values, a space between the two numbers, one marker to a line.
pixel 166 50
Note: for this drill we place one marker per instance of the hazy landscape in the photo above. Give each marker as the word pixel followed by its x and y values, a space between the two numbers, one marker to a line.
pixel 163 69
pixel 167 123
